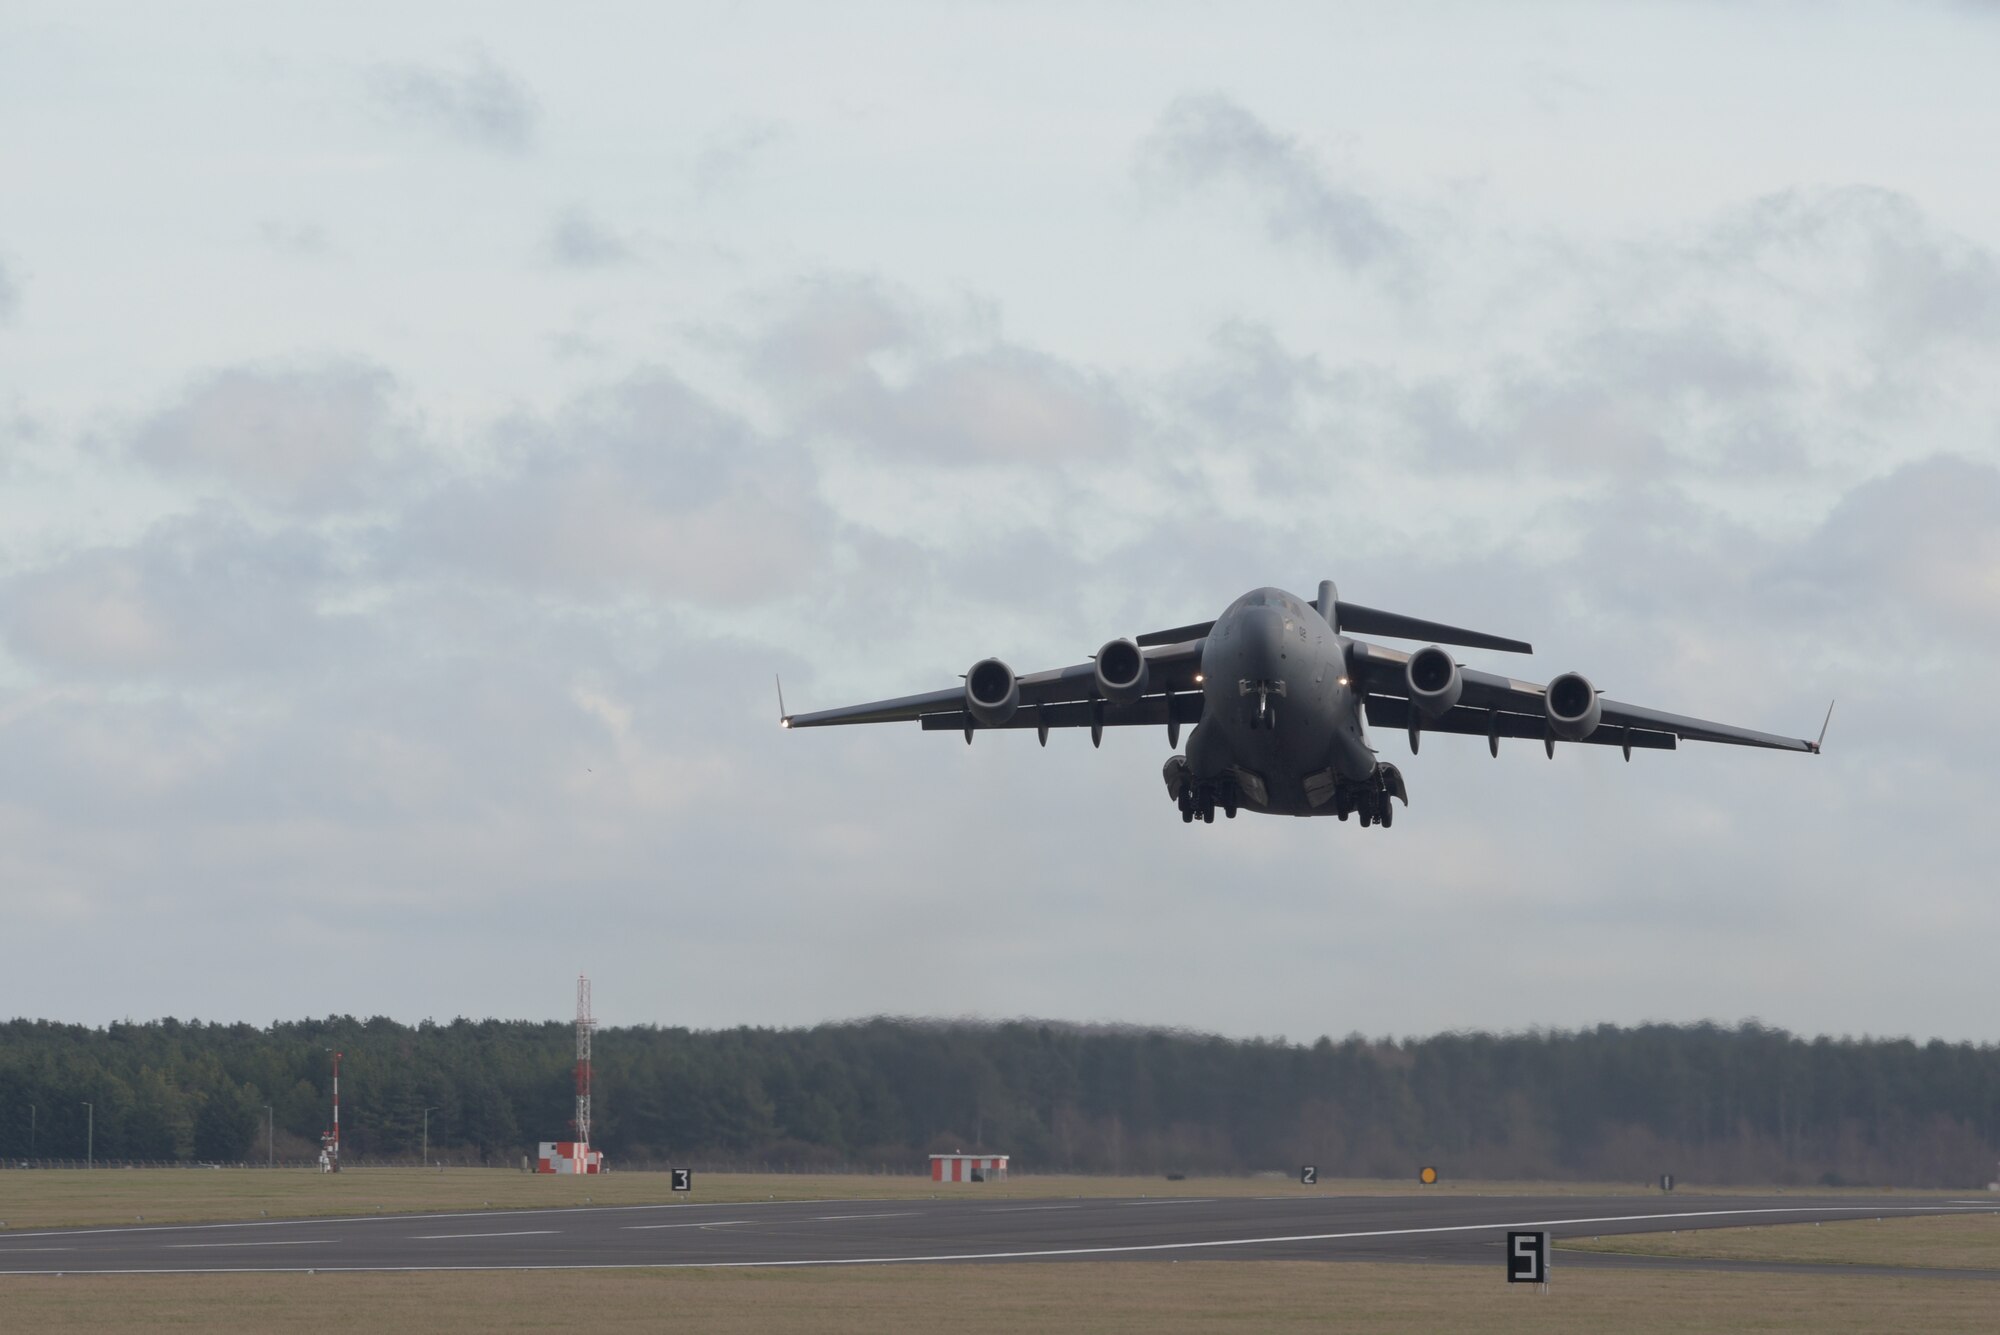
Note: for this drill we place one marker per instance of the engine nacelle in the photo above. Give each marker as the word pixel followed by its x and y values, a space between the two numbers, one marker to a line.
pixel 1572 706
pixel 1121 672
pixel 1433 681
pixel 992 693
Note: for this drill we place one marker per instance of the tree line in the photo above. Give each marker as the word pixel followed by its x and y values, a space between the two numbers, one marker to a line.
pixel 1711 1103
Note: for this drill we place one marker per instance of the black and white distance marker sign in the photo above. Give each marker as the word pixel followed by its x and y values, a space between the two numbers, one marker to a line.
pixel 1309 1175
pixel 1666 1182
pixel 683 1179
pixel 1527 1257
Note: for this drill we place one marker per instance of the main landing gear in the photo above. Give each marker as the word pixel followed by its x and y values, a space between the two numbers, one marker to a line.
pixel 1373 800
pixel 1199 800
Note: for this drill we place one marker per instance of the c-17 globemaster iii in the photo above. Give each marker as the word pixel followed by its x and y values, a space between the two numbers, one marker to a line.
pixel 1278 690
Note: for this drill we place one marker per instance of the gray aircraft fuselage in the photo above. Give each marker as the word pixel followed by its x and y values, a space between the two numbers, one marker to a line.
pixel 1277 704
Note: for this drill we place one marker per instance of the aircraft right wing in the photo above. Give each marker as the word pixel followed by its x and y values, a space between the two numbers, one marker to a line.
pixel 1493 707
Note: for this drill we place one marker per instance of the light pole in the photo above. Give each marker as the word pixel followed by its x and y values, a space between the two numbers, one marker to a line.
pixel 427 1134
pixel 90 1143
pixel 270 1152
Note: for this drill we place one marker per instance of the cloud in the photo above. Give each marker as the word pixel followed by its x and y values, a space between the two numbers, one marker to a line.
pixel 1204 141
pixel 295 239
pixel 577 241
pixel 481 104
pixel 203 597
pixel 860 363
pixel 309 439
pixel 640 487
pixel 729 154
pixel 10 295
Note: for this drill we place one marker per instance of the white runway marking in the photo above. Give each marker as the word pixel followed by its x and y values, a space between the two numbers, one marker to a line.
pixel 9 1251
pixel 705 1223
pixel 891 1214
pixel 268 1242
pixel 1191 1200
pixel 1030 1209
pixel 523 1233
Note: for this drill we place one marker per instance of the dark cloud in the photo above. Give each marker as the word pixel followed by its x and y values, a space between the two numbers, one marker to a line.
pixel 480 104
pixel 1207 140
pixel 577 241
pixel 311 439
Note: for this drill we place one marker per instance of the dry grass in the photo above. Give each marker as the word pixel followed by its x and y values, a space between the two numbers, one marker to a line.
pixel 55 1198
pixel 1949 1242
pixel 1114 1297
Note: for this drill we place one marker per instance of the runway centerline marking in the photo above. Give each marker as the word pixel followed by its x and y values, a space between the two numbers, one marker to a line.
pixel 267 1242
pixel 522 1233
pixel 885 1214
pixel 700 1223
pixel 1191 1200
pixel 1027 1209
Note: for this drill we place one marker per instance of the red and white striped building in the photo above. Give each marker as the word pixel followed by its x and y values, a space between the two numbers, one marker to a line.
pixel 961 1167
pixel 568 1156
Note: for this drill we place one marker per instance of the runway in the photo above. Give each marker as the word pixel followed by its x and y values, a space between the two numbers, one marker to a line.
pixel 1299 1226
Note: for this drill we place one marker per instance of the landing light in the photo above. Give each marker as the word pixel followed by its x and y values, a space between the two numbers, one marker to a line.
pixel 784 723
pixel 1343 682
pixel 1197 679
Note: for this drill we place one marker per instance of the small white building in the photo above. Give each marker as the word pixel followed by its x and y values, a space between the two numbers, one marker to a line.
pixel 968 1168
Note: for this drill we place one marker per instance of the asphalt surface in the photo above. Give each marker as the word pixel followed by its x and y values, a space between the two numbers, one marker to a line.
pixel 1300 1226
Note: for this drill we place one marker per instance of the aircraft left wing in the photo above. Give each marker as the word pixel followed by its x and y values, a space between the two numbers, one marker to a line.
pixel 1493 706
pixel 1058 698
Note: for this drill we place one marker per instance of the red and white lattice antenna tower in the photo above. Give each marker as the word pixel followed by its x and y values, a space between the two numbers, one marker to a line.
pixel 584 1024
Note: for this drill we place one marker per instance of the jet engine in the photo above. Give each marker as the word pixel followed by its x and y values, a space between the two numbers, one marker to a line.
pixel 1121 672
pixel 992 693
pixel 1572 706
pixel 1433 680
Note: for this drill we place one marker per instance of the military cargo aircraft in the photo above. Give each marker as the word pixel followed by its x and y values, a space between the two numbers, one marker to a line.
pixel 1278 690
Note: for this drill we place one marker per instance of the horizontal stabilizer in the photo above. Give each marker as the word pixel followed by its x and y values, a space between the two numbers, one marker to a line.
pixel 1358 620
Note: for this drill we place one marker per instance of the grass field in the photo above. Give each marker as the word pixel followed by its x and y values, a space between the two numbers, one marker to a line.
pixel 1118 1297
pixel 49 1198
pixel 1956 1242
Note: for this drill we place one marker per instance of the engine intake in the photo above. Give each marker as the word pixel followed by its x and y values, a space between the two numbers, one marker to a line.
pixel 1572 706
pixel 1433 681
pixel 992 693
pixel 1121 672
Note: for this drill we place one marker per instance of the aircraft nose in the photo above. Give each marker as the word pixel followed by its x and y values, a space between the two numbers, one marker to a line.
pixel 1263 641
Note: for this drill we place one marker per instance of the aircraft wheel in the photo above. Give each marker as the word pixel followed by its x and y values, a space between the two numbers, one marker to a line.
pixel 1342 813
pixel 1366 818
pixel 1388 812
pixel 1187 815
pixel 1208 813
pixel 1229 810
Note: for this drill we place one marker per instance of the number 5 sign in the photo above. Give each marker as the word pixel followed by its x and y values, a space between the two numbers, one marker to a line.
pixel 1527 1258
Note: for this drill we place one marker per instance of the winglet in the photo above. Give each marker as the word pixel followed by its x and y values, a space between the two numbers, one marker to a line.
pixel 1822 727
pixel 784 719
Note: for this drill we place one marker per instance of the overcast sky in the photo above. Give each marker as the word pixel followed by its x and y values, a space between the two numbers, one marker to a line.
pixel 424 432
